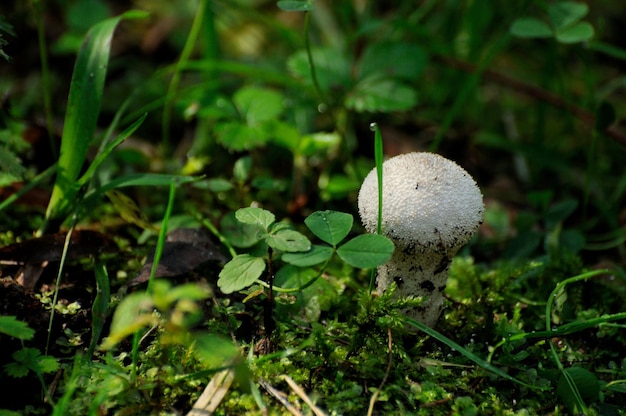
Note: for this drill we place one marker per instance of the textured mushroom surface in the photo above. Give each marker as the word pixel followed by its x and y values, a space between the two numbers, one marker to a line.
pixel 431 208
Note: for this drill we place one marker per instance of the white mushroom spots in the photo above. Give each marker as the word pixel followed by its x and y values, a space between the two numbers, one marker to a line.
pixel 431 208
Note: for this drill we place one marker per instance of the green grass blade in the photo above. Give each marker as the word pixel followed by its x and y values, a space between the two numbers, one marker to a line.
pixel 108 149
pixel 82 111
pixel 466 353
pixel 37 180
pixel 139 179
pixel 100 304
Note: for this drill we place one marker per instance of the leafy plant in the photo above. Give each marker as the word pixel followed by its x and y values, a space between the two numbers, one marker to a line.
pixel 82 113
pixel 15 328
pixel 364 251
pixel 565 24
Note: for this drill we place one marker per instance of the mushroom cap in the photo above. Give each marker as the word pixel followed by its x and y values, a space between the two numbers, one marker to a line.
pixel 429 202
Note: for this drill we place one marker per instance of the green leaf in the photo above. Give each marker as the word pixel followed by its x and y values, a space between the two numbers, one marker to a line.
pixel 81 114
pixel 30 359
pixel 11 167
pixel 580 32
pixel 141 179
pixel 236 136
pixel 330 226
pixel 257 104
pixel 219 185
pixel 529 27
pixel 566 13
pixel 381 94
pixel 559 212
pixel 133 313
pixel 239 234
pixel 255 216
pixel 242 169
pixel 366 251
pixel 393 59
pixel 295 5
pixel 332 67
pixel 215 351
pixel 269 183
pixel 108 149
pixel 191 291
pixel 47 364
pixel 239 273
pixel 83 14
pixel 578 387
pixel 12 327
pixel 316 255
pixel 316 143
pixel 288 240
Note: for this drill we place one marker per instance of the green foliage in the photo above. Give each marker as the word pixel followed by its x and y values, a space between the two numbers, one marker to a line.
pixel 82 112
pixel 176 306
pixel 239 273
pixel 295 5
pixel 380 83
pixel 364 251
pixel 578 387
pixel 565 24
pixel 11 326
pixel 30 359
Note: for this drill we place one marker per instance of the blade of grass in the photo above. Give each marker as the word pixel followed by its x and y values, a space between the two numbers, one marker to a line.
pixel 467 354
pixel 190 43
pixel 566 329
pixel 138 179
pixel 157 258
pixel 106 151
pixel 580 403
pixel 37 180
pixel 81 116
pixel 378 158
pixel 100 304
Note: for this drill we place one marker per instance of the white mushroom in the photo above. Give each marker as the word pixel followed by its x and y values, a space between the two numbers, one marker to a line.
pixel 431 208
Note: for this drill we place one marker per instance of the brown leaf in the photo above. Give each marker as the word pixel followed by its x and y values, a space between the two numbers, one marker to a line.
pixel 185 250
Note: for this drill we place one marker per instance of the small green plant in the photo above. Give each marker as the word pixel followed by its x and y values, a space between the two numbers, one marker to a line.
pixel 26 359
pixel 564 24
pixel 364 251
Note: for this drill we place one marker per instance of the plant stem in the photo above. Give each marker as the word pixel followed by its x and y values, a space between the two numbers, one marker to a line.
pixel 270 325
pixel 175 81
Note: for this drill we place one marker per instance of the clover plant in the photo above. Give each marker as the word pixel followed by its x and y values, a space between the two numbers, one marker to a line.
pixel 332 227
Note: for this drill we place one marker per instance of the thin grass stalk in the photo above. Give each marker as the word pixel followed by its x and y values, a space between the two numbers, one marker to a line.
pixel 158 252
pixel 378 158
pixel 467 354
pixel 190 43
pixel 100 305
pixel 580 403
pixel 55 297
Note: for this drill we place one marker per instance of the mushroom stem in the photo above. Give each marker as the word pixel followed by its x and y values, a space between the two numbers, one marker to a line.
pixel 418 272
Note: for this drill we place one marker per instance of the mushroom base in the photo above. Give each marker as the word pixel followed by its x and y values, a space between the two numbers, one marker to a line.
pixel 422 274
